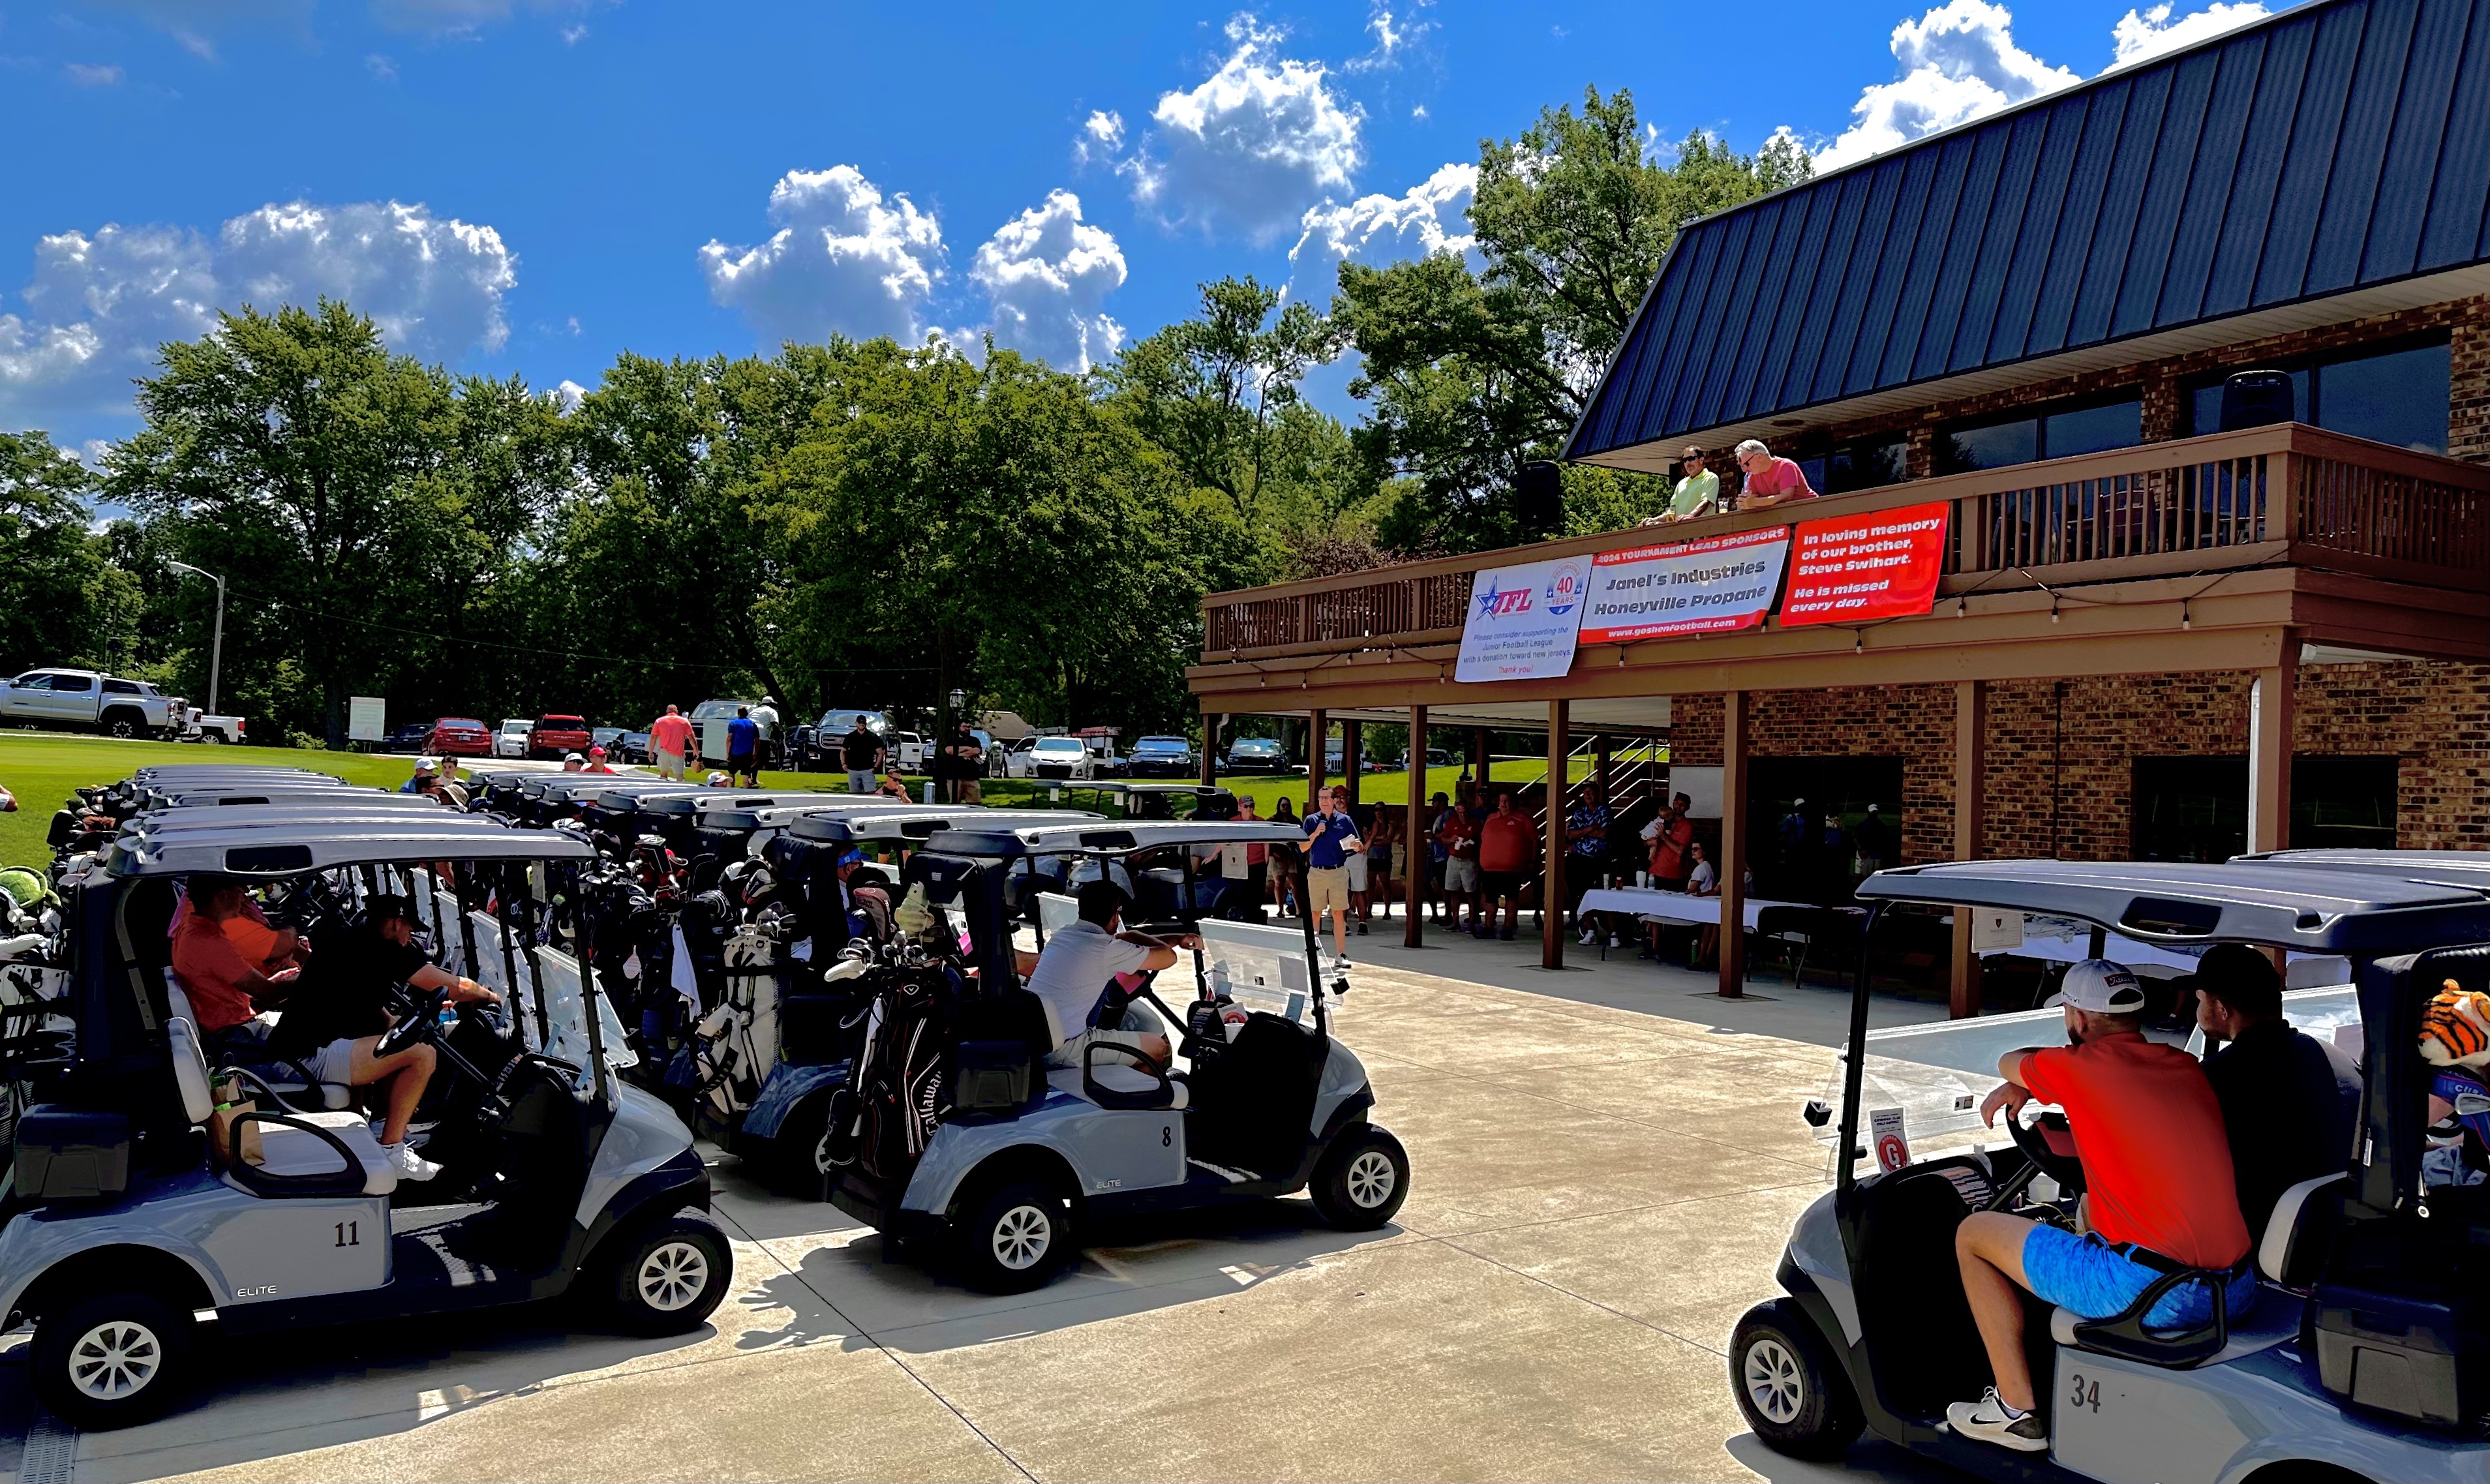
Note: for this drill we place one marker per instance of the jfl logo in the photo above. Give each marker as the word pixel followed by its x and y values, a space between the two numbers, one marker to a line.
pixel 1502 602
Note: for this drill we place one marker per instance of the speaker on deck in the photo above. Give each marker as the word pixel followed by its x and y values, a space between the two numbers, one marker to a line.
pixel 1539 499
pixel 2255 398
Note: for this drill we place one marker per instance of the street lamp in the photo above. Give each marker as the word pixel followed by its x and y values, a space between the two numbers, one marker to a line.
pixel 216 653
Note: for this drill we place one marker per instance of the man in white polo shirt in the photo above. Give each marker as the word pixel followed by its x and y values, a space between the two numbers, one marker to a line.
pixel 1078 964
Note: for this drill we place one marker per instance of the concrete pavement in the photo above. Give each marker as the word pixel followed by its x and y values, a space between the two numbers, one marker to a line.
pixel 1597 1194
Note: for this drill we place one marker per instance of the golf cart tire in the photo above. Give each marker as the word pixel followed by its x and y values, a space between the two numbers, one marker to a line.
pixel 1809 1410
pixel 1362 1180
pixel 790 1161
pixel 666 1276
pixel 1003 1246
pixel 135 1324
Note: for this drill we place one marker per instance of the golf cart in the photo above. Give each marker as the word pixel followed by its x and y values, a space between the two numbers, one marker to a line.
pixel 2366 1353
pixel 953 1133
pixel 127 1234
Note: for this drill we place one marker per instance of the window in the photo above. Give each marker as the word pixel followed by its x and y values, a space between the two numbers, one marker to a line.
pixel 2196 808
pixel 78 685
pixel 32 681
pixel 113 687
pixel 1864 466
pixel 2062 431
pixel 2399 396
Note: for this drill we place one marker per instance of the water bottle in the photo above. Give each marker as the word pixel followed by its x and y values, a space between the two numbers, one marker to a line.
pixel 448 1018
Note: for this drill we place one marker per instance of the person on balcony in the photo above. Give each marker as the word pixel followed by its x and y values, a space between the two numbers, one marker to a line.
pixel 1770 480
pixel 1697 492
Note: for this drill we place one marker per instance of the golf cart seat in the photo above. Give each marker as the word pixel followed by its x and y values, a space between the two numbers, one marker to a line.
pixel 283 1076
pixel 1110 1076
pixel 301 1153
pixel 2296 1237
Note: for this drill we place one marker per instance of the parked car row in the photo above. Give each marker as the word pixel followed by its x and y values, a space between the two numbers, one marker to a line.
pixel 90 701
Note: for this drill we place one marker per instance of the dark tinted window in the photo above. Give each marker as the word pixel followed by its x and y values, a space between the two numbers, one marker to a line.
pixel 2400 397
pixel 79 684
pixel 1961 450
pixel 1864 466
pixel 2196 808
pixel 120 689
pixel 2204 403
pixel 2092 430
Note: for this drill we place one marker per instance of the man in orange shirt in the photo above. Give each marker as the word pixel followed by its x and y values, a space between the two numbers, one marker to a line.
pixel 220 981
pixel 670 738
pixel 1507 853
pixel 2159 1196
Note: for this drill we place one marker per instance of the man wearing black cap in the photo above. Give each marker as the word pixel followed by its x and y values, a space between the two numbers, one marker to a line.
pixel 2285 1103
pixel 1080 962
pixel 335 1019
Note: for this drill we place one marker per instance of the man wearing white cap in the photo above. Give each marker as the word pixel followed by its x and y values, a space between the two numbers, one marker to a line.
pixel 2159 1196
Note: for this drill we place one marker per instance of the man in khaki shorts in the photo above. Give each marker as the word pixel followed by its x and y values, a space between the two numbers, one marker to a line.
pixel 1331 839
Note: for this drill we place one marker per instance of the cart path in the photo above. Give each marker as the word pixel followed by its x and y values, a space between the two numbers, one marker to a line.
pixel 1597 1194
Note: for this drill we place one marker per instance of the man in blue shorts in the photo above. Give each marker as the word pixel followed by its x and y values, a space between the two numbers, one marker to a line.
pixel 2159 1196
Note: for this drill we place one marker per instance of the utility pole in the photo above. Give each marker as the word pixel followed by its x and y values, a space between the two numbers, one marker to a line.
pixel 216 653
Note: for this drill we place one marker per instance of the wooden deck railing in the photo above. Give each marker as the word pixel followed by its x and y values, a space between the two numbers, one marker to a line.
pixel 2284 495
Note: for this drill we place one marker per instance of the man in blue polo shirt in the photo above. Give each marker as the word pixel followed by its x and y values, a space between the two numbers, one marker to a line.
pixel 744 747
pixel 1331 839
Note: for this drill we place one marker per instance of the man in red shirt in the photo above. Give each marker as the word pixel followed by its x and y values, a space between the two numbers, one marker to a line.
pixel 1770 480
pixel 1507 853
pixel 2159 1196
pixel 221 982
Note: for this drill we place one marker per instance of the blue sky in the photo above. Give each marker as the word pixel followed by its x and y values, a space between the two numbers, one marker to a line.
pixel 532 185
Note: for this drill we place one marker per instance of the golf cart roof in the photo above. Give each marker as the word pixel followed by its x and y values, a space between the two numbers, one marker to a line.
pixel 1117 837
pixel 1115 786
pixel 843 826
pixel 296 811
pixel 2469 869
pixel 317 846
pixel 2311 909
pixel 240 796
pixel 186 772
pixel 704 799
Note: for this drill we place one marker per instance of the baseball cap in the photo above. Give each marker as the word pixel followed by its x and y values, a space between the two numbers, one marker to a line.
pixel 425 764
pixel 2103 987
pixel 390 905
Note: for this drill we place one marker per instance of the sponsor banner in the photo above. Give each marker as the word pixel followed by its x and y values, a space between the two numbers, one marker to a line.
pixel 1710 585
pixel 1882 565
pixel 1522 620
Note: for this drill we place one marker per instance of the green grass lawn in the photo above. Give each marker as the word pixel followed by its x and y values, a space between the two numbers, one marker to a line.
pixel 40 768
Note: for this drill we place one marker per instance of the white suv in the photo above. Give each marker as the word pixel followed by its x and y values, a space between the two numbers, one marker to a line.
pixel 511 740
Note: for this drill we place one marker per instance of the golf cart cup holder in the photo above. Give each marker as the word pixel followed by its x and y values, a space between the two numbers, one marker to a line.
pixel 2123 1334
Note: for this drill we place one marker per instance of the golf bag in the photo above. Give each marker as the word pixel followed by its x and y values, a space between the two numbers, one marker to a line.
pixel 898 1088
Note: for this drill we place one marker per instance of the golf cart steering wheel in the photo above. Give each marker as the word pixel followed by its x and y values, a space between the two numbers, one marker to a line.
pixel 2033 1139
pixel 416 1026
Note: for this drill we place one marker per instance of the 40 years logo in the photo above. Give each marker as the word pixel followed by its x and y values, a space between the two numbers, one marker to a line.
pixel 1564 589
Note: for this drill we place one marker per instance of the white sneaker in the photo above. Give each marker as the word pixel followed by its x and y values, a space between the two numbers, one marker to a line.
pixel 1613 941
pixel 1586 937
pixel 1990 1420
pixel 409 1164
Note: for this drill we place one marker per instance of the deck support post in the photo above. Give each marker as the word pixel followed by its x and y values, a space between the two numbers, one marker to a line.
pixel 1970 819
pixel 1733 843
pixel 1552 871
pixel 1413 847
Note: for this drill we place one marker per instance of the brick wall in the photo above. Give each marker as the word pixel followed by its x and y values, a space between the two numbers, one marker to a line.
pixel 2062 753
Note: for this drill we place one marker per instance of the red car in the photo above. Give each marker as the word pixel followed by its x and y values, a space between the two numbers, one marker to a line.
pixel 555 735
pixel 458 736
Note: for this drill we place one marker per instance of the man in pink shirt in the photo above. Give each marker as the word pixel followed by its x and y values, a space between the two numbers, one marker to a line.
pixel 1770 480
pixel 670 738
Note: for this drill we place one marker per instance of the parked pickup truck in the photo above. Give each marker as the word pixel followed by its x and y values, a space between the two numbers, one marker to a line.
pixel 214 731
pixel 86 701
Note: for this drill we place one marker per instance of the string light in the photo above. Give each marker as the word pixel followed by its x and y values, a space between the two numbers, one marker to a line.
pixel 2187 618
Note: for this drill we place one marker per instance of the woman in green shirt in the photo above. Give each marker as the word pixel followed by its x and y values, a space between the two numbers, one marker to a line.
pixel 1698 493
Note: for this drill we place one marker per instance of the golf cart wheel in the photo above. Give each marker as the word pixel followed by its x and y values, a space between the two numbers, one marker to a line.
pixel 665 1276
pixel 1362 1180
pixel 1015 1237
pixel 112 1360
pixel 802 1154
pixel 1790 1384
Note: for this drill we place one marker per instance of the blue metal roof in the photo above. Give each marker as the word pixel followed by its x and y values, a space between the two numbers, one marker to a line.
pixel 2334 147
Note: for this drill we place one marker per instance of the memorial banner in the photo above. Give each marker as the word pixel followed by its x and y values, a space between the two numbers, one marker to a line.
pixel 1522 620
pixel 1709 586
pixel 1882 565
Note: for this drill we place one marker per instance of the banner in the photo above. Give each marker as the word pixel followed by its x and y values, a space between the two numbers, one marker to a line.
pixel 1710 585
pixel 1522 620
pixel 366 719
pixel 1879 565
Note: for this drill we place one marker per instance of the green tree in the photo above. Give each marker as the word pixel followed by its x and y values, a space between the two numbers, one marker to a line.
pixel 62 601
pixel 1472 374
pixel 359 504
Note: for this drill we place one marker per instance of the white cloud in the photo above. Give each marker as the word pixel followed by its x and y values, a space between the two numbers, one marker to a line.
pixel 1430 217
pixel 1101 139
pixel 568 394
pixel 844 261
pixel 464 17
pixel 1249 148
pixel 99 304
pixel 572 36
pixel 1959 62
pixel 90 76
pixel 1048 274
pixel 381 67
pixel 2141 34
pixel 1394 35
